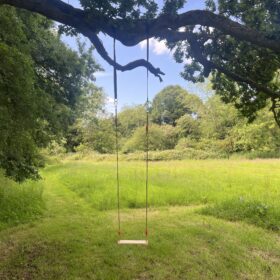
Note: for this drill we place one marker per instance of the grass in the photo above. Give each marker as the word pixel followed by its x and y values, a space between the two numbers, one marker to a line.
pixel 253 212
pixel 19 203
pixel 76 238
pixel 173 183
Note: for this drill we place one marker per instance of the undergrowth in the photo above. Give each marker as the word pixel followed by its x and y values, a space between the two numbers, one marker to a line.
pixel 19 203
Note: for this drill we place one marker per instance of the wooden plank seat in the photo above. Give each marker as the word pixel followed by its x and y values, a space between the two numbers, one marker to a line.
pixel 133 242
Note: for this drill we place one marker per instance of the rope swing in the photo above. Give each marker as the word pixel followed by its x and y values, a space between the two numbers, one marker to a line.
pixel 138 242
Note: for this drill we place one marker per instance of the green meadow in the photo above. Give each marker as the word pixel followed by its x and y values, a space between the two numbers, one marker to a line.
pixel 208 219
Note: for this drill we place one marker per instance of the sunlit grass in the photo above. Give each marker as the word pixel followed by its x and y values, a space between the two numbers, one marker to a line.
pixel 173 182
pixel 76 237
pixel 19 203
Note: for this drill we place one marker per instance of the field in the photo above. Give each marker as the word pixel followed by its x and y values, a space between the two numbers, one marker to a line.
pixel 208 219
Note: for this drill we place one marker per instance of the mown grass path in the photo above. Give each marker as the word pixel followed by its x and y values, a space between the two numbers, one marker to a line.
pixel 74 240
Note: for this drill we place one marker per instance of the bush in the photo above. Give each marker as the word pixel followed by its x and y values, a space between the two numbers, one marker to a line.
pixel 55 148
pixel 220 147
pixel 253 212
pixel 153 155
pixel 160 138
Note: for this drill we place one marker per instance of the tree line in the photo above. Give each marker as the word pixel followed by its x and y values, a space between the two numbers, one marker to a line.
pixel 178 120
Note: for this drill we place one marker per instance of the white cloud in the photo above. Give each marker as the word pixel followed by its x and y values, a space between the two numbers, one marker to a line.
pixel 157 47
pixel 102 74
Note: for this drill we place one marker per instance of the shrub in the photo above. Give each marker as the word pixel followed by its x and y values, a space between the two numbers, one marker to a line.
pixel 160 138
pixel 56 148
pixel 220 147
pixel 175 155
pixel 141 155
pixel 188 126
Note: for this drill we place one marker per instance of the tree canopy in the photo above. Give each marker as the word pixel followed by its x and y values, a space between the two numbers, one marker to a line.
pixel 237 42
pixel 41 81
pixel 172 103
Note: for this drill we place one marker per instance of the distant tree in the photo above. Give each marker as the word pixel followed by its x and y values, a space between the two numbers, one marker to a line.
pixel 261 135
pixel 94 127
pixel 194 104
pixel 170 137
pixel 170 104
pixel 89 108
pixel 160 138
pixel 188 126
pixel 131 118
pixel 217 119
pixel 99 136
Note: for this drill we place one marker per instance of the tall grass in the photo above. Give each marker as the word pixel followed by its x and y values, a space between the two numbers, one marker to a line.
pixel 19 203
pixel 175 183
pixel 230 189
pixel 253 212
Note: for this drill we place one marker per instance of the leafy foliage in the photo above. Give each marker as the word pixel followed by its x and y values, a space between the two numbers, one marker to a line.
pixel 122 9
pixel 131 118
pixel 169 105
pixel 209 129
pixel 93 127
pixel 262 135
pixel 160 138
pixel 244 60
pixel 188 126
pixel 18 114
pixel 40 82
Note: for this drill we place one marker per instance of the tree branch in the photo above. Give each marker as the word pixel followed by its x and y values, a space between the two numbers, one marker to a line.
pixel 131 34
pixel 132 65
pixel 197 53
pixel 134 32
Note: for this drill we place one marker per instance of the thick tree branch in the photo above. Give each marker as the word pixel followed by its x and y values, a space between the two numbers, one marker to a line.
pixel 76 18
pixel 131 33
pixel 197 53
pixel 132 65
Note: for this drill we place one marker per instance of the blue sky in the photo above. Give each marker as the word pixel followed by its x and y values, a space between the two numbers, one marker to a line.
pixel 132 84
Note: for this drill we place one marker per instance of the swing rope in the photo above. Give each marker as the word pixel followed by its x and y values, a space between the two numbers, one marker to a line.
pixel 147 137
pixel 117 138
pixel 117 142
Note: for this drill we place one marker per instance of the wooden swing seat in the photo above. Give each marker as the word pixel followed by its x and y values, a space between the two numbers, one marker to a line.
pixel 133 242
